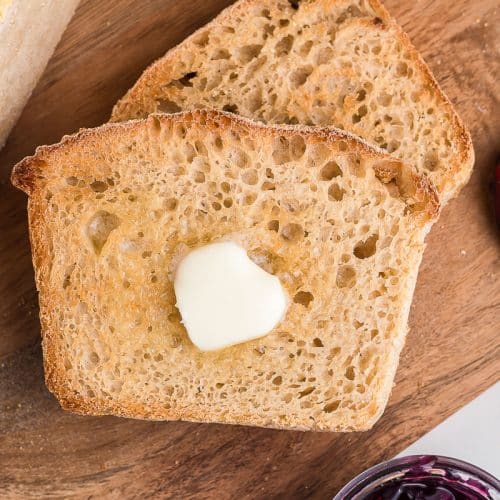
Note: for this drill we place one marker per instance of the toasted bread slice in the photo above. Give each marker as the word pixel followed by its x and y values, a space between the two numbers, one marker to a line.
pixel 113 209
pixel 316 62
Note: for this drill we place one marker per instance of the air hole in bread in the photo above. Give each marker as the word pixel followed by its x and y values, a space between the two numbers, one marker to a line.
pixel 292 232
pixel 294 4
pixel 330 170
pixel 98 186
pixel 297 147
pixel 277 380
pixel 335 192
pixel 167 106
pixel 361 95
pixel 384 99
pixel 317 342
pixel 345 258
pixel 254 101
pixel 230 108
pixel 249 199
pixel 331 407
pixel 346 277
pixel 189 151
pixel 303 298
pixel 93 358
pixel 402 69
pixel 281 152
pixel 201 149
pixel 367 248
pixel 72 181
pixel 431 161
pixel 268 186
pixel 248 52
pixel 284 46
pixel 185 81
pixel 170 204
pixel 306 391
pixel 300 76
pixel 201 39
pixel 199 177
pixel 67 276
pixel 362 111
pixel 266 13
pixel 216 206
pixel 273 225
pixel 268 31
pixel 99 227
pixel 217 142
pixel 221 54
pixel 393 146
pixel 228 203
pixel 292 120
pixel 305 48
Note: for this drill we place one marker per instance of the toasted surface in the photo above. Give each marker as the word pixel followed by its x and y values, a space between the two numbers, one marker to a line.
pixel 319 62
pixel 113 209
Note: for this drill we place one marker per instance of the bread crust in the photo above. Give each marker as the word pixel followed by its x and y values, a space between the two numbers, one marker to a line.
pixel 25 173
pixel 28 175
pixel 140 96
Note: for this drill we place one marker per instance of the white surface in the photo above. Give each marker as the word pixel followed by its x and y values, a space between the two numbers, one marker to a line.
pixel 471 434
pixel 225 298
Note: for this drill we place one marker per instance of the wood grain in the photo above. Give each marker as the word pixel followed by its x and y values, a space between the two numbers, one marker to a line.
pixel 452 353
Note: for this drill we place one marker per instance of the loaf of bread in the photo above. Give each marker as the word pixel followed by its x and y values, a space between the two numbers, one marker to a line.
pixel 29 32
pixel 316 62
pixel 113 209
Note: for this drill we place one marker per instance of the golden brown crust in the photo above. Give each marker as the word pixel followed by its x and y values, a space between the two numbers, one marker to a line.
pixel 27 171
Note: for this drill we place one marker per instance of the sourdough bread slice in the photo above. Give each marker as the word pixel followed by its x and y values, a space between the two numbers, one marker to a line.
pixel 113 209
pixel 316 62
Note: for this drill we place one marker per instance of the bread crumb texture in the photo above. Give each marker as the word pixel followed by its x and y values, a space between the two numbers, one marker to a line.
pixel 112 210
pixel 316 62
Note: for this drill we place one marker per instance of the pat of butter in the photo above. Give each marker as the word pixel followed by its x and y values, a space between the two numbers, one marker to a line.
pixel 224 298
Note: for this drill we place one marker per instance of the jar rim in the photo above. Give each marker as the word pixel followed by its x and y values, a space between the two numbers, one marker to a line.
pixel 397 467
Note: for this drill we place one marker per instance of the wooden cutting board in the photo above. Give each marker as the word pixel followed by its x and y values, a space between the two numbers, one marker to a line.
pixel 452 353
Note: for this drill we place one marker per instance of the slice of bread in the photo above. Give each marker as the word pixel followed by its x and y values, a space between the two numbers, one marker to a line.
pixel 316 62
pixel 29 32
pixel 113 209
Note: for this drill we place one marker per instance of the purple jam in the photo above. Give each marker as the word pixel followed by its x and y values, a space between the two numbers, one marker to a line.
pixel 422 478
pixel 423 490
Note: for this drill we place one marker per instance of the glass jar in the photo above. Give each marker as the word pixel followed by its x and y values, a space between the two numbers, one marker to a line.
pixel 422 477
